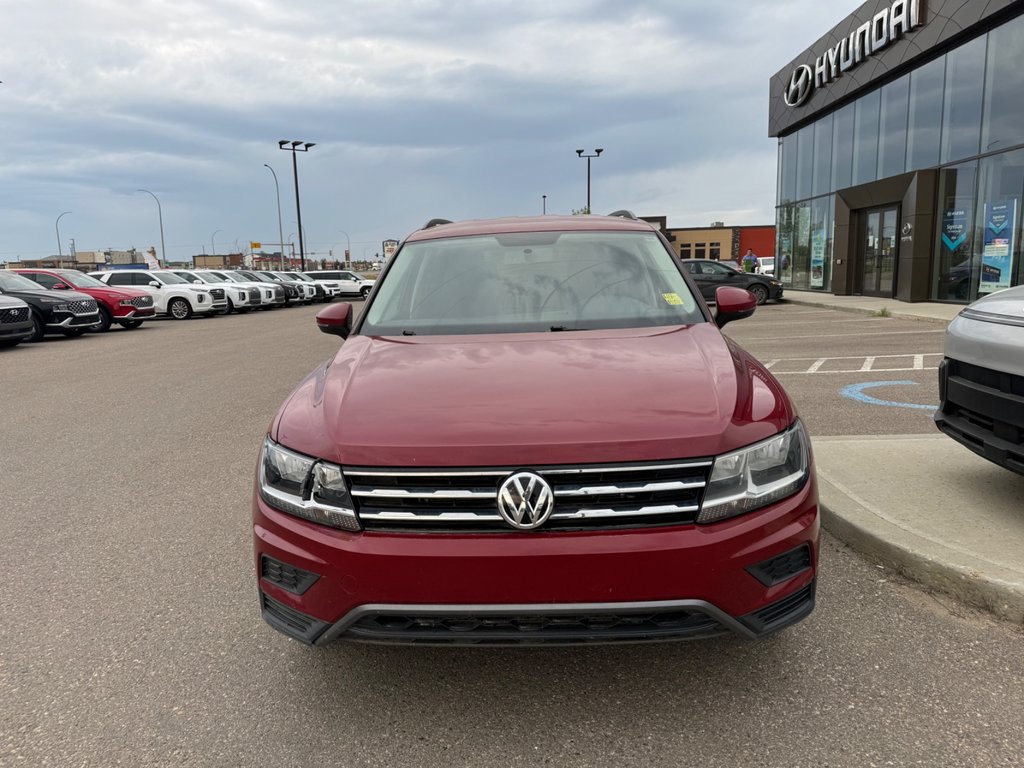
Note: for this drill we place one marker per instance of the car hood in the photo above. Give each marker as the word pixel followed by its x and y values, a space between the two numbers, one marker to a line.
pixel 112 292
pixel 1008 303
pixel 533 399
pixel 50 296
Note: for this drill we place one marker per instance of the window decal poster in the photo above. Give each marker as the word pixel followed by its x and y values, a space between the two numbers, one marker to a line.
pixel 997 253
pixel 818 258
pixel 954 227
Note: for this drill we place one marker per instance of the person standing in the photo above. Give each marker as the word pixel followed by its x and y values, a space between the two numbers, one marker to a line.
pixel 750 262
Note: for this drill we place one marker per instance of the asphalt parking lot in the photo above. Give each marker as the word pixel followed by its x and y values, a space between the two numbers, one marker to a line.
pixel 838 365
pixel 130 634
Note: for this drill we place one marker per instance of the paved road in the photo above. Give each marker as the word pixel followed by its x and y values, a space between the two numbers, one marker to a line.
pixel 129 633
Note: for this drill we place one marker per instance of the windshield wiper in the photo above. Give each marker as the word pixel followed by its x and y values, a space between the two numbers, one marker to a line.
pixel 560 328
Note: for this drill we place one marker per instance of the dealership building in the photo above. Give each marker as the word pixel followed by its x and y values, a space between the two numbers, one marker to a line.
pixel 901 152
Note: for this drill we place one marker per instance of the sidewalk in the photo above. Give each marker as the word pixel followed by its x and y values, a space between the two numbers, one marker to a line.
pixel 924 505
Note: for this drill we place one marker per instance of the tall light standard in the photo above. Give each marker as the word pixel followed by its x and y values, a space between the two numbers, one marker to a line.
pixel 160 212
pixel 280 229
pixel 293 147
pixel 544 204
pixel 597 153
pixel 56 224
pixel 213 248
pixel 348 247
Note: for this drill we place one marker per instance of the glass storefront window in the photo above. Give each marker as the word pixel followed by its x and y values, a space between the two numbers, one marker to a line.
pixel 1003 117
pixel 842 148
pixel 892 140
pixel 804 161
pixel 784 216
pixel 822 156
pixel 954 242
pixel 865 138
pixel 962 102
pixel 788 173
pixel 820 244
pixel 998 217
pixel 925 122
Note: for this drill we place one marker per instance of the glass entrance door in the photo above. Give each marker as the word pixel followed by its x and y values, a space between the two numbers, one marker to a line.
pixel 879 244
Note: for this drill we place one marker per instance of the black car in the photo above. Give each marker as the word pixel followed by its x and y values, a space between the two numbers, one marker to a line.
pixel 67 312
pixel 709 275
pixel 15 321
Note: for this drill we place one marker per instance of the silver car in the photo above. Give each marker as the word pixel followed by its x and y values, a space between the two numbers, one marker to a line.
pixel 981 379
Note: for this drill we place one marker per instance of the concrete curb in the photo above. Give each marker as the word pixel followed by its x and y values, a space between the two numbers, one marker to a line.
pixel 893 306
pixel 979 584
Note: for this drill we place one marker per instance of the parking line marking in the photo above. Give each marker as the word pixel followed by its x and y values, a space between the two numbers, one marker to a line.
pixel 854 370
pixel 770 363
pixel 868 362
pixel 817 364
pixel 919 362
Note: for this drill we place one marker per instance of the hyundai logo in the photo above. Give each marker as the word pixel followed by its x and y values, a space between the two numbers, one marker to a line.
pixel 799 86
pixel 525 500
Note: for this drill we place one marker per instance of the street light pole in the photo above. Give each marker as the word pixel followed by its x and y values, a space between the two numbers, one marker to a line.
pixel 280 229
pixel 60 253
pixel 348 247
pixel 160 212
pixel 544 202
pixel 597 153
pixel 293 147
pixel 213 248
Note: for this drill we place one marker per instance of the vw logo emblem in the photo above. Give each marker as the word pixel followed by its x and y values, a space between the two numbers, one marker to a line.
pixel 799 86
pixel 525 500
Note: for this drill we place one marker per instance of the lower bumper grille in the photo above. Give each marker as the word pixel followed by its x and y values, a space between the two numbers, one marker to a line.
pixel 517 629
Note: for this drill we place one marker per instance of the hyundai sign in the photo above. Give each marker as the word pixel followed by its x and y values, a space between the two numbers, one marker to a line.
pixel 887 26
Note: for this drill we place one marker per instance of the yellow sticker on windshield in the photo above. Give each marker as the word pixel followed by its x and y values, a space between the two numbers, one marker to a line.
pixel 671 298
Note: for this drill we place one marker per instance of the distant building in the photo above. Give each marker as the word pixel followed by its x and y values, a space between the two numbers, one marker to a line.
pixel 718 241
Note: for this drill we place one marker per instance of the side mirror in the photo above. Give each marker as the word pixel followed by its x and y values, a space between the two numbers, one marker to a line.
pixel 154 283
pixel 733 304
pixel 59 287
pixel 335 319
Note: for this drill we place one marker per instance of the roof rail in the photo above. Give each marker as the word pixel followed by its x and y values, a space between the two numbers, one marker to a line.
pixel 624 214
pixel 436 222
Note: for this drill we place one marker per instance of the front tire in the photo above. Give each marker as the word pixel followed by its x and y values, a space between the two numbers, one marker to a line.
pixel 179 309
pixel 760 293
pixel 105 320
pixel 364 292
pixel 38 329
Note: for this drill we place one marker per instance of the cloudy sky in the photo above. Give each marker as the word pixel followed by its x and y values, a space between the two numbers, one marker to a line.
pixel 418 108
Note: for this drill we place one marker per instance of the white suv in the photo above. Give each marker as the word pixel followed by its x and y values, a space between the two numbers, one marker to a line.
pixel 271 294
pixel 172 295
pixel 351 284
pixel 240 298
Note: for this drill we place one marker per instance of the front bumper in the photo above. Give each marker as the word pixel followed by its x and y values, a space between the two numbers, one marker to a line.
pixel 983 410
pixel 318 584
pixel 66 322
pixel 134 313
pixel 19 330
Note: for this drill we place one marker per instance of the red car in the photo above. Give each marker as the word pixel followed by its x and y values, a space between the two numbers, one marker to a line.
pixel 125 306
pixel 535 432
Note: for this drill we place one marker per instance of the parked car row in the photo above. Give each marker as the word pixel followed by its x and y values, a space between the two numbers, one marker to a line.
pixel 37 302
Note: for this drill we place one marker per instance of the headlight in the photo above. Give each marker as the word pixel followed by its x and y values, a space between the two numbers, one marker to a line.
pixel 61 307
pixel 125 303
pixel 305 487
pixel 756 476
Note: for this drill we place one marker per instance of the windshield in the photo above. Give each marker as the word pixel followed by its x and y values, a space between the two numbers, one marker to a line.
pixel 189 278
pixel 12 282
pixel 300 276
pixel 210 278
pixel 267 276
pixel 545 281
pixel 232 276
pixel 167 278
pixel 78 280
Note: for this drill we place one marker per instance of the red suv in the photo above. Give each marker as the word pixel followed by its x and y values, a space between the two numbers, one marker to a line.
pixel 536 432
pixel 127 307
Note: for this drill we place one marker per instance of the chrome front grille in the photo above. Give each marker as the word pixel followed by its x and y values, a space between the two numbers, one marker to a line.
pixel 586 496
pixel 83 307
pixel 254 295
pixel 141 302
pixel 15 315
pixel 217 293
